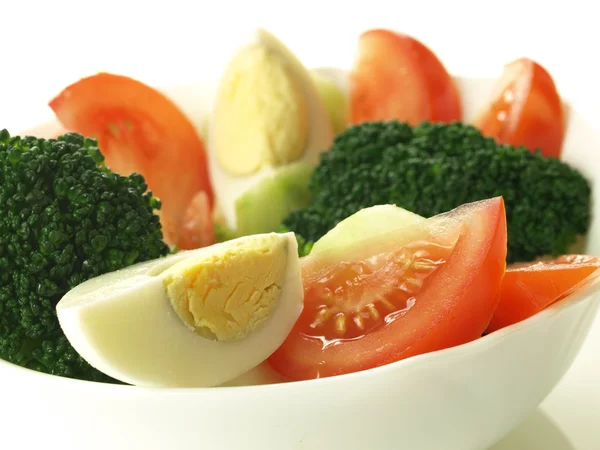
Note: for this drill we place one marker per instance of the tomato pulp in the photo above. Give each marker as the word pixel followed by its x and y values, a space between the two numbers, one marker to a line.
pixel 426 287
pixel 528 288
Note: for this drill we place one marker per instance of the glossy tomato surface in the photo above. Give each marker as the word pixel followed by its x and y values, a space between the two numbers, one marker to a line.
pixel 140 130
pixel 525 109
pixel 530 287
pixel 422 288
pixel 397 77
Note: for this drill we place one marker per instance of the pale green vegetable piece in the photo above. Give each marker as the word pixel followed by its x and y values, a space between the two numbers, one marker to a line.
pixel 335 101
pixel 263 207
pixel 373 221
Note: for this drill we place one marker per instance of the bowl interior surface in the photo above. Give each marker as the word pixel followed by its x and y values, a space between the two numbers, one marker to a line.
pixel 471 394
pixel 195 99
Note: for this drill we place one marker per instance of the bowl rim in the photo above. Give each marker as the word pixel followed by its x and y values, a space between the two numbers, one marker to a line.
pixel 586 292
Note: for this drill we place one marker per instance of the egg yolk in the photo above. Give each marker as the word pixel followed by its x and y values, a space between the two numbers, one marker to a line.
pixel 227 296
pixel 260 115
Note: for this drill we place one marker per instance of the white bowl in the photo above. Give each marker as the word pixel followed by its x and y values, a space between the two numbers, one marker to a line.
pixel 464 398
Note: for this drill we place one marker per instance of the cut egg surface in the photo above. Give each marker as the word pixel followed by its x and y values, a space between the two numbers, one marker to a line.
pixel 268 122
pixel 198 318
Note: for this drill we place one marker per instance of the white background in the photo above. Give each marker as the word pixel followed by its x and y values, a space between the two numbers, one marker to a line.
pixel 45 45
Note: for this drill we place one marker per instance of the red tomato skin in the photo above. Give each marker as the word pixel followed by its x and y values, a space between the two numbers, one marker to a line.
pixel 529 288
pixel 526 109
pixel 427 327
pixel 469 318
pixel 444 98
pixel 140 130
pixel 396 77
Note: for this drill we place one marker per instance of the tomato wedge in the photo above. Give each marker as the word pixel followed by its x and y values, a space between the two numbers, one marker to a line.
pixel 140 130
pixel 528 288
pixel 420 288
pixel 397 77
pixel 525 109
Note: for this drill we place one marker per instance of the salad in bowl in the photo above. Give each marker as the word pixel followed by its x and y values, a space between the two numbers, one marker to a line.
pixel 327 258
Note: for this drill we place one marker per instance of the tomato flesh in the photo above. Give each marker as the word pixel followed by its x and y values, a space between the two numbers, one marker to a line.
pixel 139 130
pixel 526 109
pixel 528 288
pixel 415 291
pixel 397 77
pixel 382 289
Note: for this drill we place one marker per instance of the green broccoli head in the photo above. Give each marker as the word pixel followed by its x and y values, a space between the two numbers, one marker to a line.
pixel 65 218
pixel 432 168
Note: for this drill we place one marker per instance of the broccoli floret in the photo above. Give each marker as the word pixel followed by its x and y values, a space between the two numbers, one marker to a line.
pixel 432 168
pixel 64 218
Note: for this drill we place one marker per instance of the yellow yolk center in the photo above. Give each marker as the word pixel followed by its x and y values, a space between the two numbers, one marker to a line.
pixel 225 297
pixel 262 114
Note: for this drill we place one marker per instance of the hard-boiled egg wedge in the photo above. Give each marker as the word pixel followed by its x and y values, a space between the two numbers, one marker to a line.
pixel 268 124
pixel 194 319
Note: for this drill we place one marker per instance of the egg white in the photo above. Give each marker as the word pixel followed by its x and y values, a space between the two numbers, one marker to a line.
pixel 123 324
